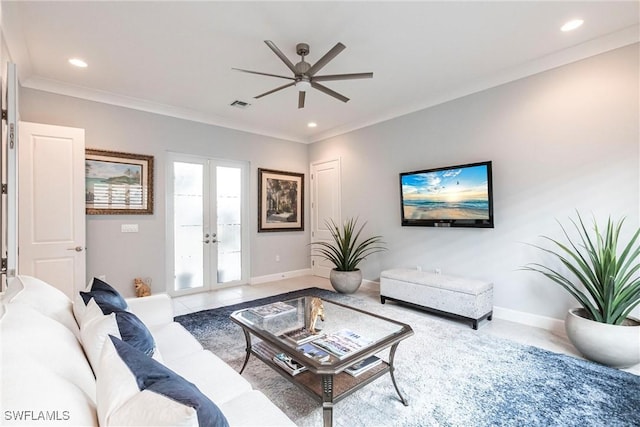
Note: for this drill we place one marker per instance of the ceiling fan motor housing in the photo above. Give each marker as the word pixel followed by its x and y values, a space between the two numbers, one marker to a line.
pixel 302 49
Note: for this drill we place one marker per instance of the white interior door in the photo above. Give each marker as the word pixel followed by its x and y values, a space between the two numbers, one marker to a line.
pixel 51 206
pixel 206 224
pixel 325 205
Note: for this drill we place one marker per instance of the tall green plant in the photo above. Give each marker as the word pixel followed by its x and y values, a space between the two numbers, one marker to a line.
pixel 610 280
pixel 346 252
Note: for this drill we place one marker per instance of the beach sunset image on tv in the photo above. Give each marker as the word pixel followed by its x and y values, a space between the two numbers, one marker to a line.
pixel 457 194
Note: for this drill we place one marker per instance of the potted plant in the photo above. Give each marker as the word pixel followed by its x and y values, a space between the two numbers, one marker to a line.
pixel 345 252
pixel 606 283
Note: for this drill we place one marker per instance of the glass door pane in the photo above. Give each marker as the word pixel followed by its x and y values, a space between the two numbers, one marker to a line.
pixel 207 227
pixel 188 225
pixel 229 223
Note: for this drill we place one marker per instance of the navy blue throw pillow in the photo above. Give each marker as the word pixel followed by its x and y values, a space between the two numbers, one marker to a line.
pixel 153 376
pixel 104 293
pixel 134 332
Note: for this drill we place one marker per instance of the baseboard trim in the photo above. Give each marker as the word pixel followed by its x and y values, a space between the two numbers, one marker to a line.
pixel 529 319
pixel 279 276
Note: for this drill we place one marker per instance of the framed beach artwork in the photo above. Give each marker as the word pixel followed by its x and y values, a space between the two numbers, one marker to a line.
pixel 118 183
pixel 280 201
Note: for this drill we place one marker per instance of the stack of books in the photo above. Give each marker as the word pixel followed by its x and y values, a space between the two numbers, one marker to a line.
pixel 363 366
pixel 272 310
pixel 300 336
pixel 293 367
pixel 342 343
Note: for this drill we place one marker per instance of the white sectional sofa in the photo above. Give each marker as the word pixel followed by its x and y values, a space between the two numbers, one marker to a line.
pixel 48 378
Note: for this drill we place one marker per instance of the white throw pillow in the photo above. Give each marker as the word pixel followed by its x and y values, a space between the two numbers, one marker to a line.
pixel 115 383
pixel 133 389
pixel 79 306
pixel 96 327
pixel 44 298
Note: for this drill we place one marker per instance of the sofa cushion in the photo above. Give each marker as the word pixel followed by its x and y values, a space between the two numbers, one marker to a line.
pixel 217 380
pixel 174 341
pixel 43 297
pixel 120 323
pixel 43 368
pixel 134 389
pixel 104 293
pixel 34 394
pixel 262 411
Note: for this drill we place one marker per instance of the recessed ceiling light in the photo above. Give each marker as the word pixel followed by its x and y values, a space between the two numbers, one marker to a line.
pixel 78 62
pixel 572 25
pixel 312 124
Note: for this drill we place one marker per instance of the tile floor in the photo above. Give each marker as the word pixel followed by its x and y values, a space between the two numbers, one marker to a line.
pixel 550 340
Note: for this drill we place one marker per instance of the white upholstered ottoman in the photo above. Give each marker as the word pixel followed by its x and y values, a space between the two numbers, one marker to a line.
pixel 452 296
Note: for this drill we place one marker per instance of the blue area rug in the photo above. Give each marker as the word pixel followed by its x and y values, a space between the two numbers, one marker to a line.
pixel 451 375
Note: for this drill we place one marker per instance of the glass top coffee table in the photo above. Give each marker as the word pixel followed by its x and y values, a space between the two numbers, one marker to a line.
pixel 346 336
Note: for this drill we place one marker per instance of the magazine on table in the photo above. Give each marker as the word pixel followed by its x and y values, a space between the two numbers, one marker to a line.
pixel 314 352
pixel 363 366
pixel 301 335
pixel 272 310
pixel 342 343
pixel 293 367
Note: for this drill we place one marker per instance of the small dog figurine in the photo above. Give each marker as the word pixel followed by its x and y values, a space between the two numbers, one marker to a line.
pixel 142 289
pixel 317 310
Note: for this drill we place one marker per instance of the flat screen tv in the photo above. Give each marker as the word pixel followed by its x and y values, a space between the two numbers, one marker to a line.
pixel 452 196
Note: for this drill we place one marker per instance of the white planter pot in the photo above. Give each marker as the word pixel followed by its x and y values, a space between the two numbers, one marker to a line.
pixel 345 282
pixel 617 346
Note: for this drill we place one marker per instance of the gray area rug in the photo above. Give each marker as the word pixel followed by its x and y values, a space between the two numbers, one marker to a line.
pixel 451 376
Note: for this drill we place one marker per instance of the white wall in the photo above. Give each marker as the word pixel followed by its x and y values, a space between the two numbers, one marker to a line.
pixel 121 257
pixel 561 140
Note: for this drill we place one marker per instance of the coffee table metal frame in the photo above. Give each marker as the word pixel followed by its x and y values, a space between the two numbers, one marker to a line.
pixel 327 383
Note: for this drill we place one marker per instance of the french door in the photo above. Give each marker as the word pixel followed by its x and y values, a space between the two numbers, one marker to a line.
pixel 207 224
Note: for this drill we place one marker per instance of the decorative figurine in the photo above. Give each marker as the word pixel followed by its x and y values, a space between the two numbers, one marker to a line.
pixel 142 289
pixel 317 310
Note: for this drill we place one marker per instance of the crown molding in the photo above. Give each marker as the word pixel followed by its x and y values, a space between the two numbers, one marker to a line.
pixel 105 97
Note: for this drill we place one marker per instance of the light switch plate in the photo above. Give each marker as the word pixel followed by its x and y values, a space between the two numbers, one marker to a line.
pixel 129 228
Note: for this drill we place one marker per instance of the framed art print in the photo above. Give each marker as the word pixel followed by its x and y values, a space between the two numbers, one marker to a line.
pixel 118 183
pixel 280 201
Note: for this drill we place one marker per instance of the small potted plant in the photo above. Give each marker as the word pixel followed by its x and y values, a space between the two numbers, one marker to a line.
pixel 346 252
pixel 606 283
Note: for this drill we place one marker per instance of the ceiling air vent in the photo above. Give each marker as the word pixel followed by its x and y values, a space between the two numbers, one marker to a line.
pixel 239 104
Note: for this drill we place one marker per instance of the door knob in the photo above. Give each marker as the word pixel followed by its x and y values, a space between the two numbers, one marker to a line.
pixel 206 241
pixel 77 249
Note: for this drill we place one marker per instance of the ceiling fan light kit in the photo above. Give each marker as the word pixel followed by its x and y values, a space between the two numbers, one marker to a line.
pixel 304 74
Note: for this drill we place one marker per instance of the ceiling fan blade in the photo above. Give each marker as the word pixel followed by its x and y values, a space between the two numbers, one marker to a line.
pixel 263 74
pixel 326 58
pixel 301 96
pixel 281 55
pixel 329 92
pixel 343 77
pixel 274 90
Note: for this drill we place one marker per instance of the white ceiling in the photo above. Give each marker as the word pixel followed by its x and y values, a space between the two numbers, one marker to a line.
pixel 175 58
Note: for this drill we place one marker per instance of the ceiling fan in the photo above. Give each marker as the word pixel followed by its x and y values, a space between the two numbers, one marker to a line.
pixel 304 74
